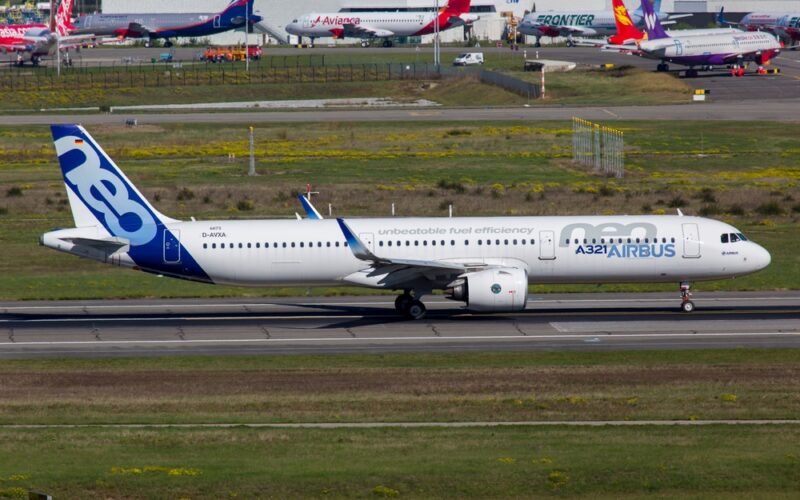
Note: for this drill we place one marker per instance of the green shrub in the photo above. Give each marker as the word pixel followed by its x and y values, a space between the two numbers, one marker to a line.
pixel 185 194
pixel 770 208
pixel 676 202
pixel 735 210
pixel 14 191
pixel 245 205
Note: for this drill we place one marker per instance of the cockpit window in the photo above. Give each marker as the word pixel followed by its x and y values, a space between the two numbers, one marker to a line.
pixel 294 20
pixel 732 237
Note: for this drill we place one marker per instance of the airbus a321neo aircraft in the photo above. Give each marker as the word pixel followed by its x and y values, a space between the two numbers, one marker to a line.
pixel 486 262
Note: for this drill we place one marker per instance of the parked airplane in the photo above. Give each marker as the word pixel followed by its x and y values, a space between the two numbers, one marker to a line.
pixel 785 25
pixel 628 34
pixel 154 26
pixel 378 24
pixel 579 23
pixel 734 49
pixel 486 262
pixel 37 39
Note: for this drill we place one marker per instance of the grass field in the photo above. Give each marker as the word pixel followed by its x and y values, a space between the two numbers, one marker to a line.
pixel 746 384
pixel 717 461
pixel 745 174
pixel 119 86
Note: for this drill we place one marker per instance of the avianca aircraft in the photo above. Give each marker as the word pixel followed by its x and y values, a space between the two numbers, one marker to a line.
pixel 735 49
pixel 578 23
pixel 628 34
pixel 377 24
pixel 486 262
pixel 38 39
pixel 153 26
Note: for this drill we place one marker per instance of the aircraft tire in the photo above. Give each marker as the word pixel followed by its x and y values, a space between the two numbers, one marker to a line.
pixel 416 310
pixel 402 303
pixel 687 306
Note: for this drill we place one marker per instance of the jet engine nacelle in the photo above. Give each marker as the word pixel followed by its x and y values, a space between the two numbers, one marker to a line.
pixel 494 290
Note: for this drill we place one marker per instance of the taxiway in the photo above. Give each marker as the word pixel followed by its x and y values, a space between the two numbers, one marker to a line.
pixel 369 324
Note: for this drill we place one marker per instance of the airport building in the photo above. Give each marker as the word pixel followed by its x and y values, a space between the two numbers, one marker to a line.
pixel 493 23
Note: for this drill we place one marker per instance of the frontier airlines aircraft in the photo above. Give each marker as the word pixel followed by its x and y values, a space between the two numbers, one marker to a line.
pixel 486 262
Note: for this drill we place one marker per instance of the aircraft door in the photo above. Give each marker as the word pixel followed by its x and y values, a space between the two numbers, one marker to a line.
pixel 691 241
pixel 369 240
pixel 172 246
pixel 547 245
pixel 306 22
pixel 217 21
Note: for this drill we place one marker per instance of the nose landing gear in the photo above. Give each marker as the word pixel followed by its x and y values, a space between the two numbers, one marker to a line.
pixel 687 305
pixel 410 307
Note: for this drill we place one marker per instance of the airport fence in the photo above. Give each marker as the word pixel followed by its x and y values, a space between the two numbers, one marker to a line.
pixel 162 75
pixel 598 146
pixel 521 87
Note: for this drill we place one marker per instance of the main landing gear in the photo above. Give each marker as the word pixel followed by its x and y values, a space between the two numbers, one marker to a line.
pixel 410 307
pixel 687 305
pixel 662 67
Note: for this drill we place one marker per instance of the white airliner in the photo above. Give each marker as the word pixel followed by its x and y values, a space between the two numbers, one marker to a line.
pixel 380 24
pixel 486 262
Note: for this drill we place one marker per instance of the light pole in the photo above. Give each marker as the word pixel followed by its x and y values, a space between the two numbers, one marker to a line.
pixel 247 42
pixel 436 55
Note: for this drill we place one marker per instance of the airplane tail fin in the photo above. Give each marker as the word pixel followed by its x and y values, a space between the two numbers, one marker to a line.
pixel 652 25
pixel 63 20
pixel 99 192
pixel 719 19
pixel 456 7
pixel 626 30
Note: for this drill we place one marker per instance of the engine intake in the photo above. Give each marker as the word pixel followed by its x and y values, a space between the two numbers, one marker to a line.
pixel 493 290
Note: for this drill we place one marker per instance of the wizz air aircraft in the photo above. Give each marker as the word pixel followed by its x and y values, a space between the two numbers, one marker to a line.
pixel 153 26
pixel 735 49
pixel 379 24
pixel 628 34
pixel 486 262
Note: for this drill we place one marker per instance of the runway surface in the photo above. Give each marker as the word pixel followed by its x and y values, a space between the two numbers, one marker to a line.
pixel 766 110
pixel 723 87
pixel 414 425
pixel 570 322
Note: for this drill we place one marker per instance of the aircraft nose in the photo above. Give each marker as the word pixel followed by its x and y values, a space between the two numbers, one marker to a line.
pixel 760 257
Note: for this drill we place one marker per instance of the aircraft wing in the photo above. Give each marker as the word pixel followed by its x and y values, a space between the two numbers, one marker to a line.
pixel 136 30
pixel 570 30
pixel 364 31
pixel 732 58
pixel 15 45
pixel 400 273
pixel 110 245
pixel 621 49
pixel 310 209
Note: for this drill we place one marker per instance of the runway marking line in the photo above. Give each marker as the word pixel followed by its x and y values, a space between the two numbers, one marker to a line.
pixel 431 302
pixel 609 336
pixel 368 425
pixel 529 313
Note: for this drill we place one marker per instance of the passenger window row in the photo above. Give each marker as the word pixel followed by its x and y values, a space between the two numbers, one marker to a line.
pixel 381 243
pixel 284 244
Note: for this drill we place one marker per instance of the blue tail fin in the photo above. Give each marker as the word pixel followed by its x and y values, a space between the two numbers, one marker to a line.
pixel 652 25
pixel 719 19
pixel 99 193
